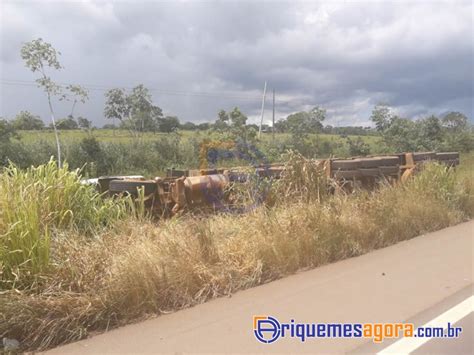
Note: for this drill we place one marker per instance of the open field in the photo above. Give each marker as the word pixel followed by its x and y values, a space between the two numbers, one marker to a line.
pixel 80 275
pixel 105 152
pixel 124 136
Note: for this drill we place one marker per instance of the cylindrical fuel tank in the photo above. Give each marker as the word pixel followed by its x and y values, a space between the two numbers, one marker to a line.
pixel 206 189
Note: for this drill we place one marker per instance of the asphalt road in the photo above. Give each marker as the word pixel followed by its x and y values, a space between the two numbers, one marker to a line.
pixel 416 280
pixel 461 345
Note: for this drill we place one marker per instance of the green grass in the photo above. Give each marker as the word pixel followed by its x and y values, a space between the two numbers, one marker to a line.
pixel 103 135
pixel 112 152
pixel 124 136
pixel 34 205
pixel 466 168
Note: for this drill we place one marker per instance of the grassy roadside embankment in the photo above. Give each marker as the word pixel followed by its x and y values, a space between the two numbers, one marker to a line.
pixel 98 278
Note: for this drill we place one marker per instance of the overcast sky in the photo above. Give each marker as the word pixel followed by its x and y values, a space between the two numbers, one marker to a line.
pixel 198 57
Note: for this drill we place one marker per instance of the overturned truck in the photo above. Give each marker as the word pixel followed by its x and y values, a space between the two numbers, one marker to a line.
pixel 189 189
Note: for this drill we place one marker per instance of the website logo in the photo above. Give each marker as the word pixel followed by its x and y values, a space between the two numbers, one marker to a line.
pixel 266 329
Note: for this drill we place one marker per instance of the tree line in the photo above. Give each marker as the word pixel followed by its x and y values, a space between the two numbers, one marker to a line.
pixel 138 114
pixel 135 111
pixel 154 121
pixel 451 131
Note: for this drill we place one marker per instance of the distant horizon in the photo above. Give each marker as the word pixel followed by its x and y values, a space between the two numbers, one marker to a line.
pixel 325 124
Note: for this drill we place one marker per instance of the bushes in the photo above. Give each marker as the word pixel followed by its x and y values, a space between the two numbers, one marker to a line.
pixel 150 155
pixel 97 158
pixel 34 204
pixel 136 268
pixel 452 132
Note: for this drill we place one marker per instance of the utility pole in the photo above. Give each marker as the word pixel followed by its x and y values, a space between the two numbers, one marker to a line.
pixel 273 117
pixel 263 109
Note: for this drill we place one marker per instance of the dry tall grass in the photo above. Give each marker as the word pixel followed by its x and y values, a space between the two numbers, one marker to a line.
pixel 137 269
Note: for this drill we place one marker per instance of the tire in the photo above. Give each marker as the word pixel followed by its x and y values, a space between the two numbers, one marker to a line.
pixel 447 156
pixel 424 156
pixel 346 174
pixel 131 186
pixel 345 164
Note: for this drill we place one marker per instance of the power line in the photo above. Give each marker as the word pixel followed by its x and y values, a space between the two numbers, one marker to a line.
pixel 95 87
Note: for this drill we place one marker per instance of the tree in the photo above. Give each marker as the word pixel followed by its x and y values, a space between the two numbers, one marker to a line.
pixel 109 126
pixel 7 131
pixel 188 126
pixel 281 126
pixel 39 56
pixel 297 124
pixel 168 124
pixel 455 121
pixel 222 122
pixel 204 126
pixel 315 118
pixel 144 114
pixel 429 133
pixel 77 94
pixel 234 122
pixel 91 146
pixel 67 123
pixel 458 132
pixel 401 135
pixel 358 147
pixel 135 111
pixel 27 121
pixel 117 105
pixel 301 123
pixel 84 123
pixel 382 117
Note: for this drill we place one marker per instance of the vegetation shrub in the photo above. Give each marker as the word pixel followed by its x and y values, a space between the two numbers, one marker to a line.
pixel 34 204
pixel 135 268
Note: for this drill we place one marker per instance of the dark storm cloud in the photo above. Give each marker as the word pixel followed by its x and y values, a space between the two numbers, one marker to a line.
pixel 343 56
